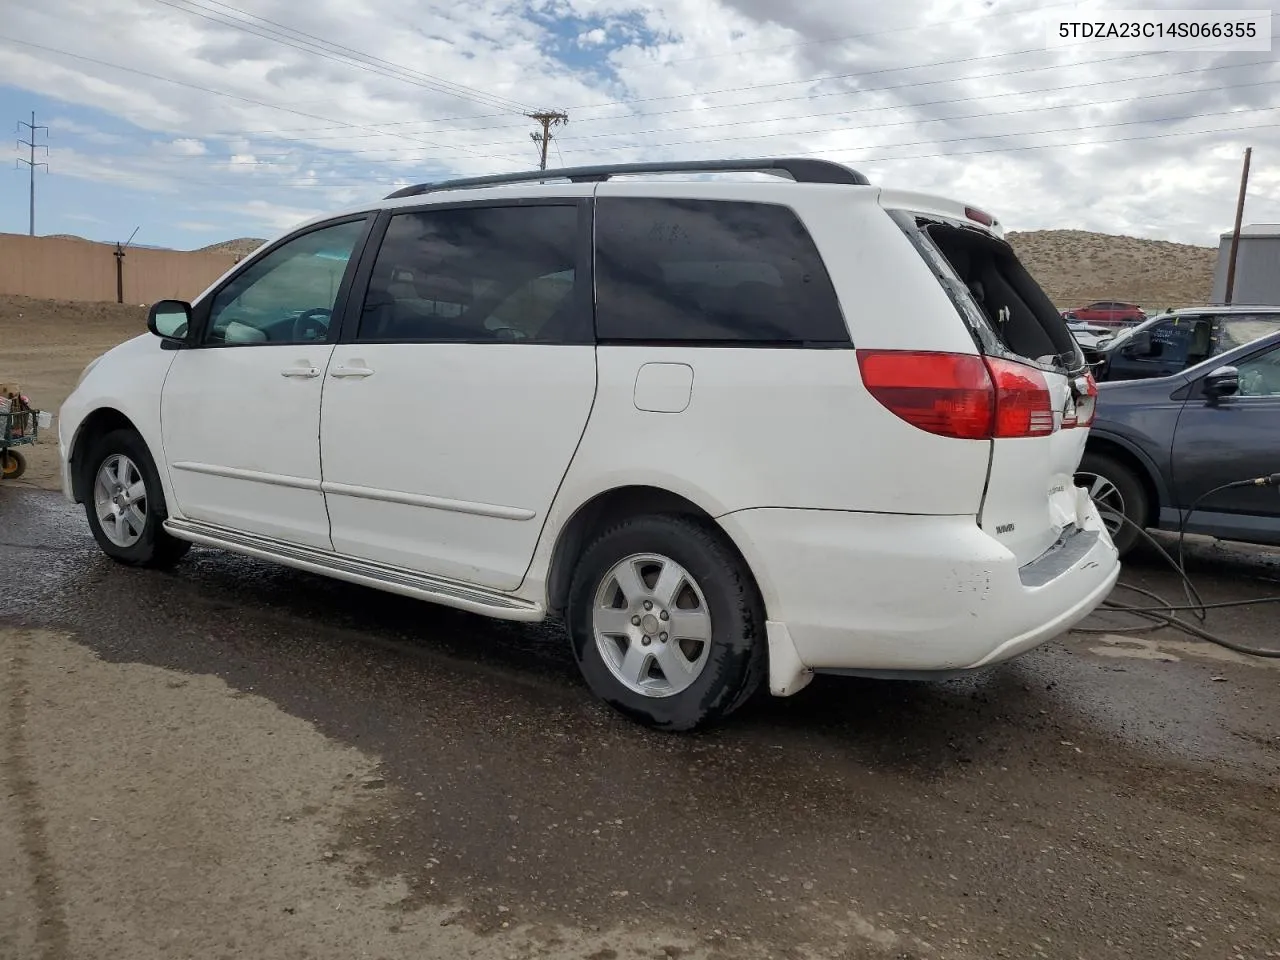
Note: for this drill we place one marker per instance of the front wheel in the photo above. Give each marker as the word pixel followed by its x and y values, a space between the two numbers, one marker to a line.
pixel 666 623
pixel 1119 495
pixel 125 503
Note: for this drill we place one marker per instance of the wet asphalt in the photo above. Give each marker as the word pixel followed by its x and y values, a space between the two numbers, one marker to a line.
pixel 1103 796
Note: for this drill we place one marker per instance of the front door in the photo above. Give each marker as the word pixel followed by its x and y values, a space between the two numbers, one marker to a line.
pixel 241 410
pixel 1232 438
pixel 461 388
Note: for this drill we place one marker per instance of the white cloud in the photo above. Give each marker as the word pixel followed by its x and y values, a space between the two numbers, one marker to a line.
pixel 953 96
pixel 59 125
pixel 183 147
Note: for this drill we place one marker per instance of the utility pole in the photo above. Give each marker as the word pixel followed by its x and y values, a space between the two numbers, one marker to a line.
pixel 548 119
pixel 119 255
pixel 1235 234
pixel 31 163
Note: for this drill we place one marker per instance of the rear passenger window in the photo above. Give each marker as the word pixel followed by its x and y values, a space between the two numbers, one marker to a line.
pixel 710 271
pixel 1238 330
pixel 478 274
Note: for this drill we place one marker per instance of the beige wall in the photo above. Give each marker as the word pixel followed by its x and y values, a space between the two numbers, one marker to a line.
pixel 57 269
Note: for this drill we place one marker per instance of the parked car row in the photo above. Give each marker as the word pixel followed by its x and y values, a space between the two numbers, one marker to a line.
pixel 1188 402
pixel 1170 342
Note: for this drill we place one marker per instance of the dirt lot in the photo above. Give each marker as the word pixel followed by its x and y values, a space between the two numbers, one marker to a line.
pixel 44 344
pixel 236 759
pixel 239 760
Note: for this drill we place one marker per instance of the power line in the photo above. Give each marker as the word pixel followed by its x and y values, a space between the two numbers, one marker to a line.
pixel 31 163
pixel 1047 146
pixel 840 76
pixel 877 33
pixel 232 96
pixel 967 116
pixel 955 100
pixel 984 136
pixel 842 113
pixel 354 180
pixel 380 129
pixel 318 46
pixel 150 177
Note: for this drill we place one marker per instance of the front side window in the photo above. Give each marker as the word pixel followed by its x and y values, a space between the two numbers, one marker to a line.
pixel 713 271
pixel 1181 342
pixel 478 274
pixel 1260 375
pixel 288 295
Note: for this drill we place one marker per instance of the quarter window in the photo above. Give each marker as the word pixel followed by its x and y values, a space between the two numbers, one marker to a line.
pixel 1238 329
pixel 287 295
pixel 478 274
pixel 712 271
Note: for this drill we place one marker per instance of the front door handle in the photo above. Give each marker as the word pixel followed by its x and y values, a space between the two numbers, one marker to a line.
pixel 353 371
pixel 300 371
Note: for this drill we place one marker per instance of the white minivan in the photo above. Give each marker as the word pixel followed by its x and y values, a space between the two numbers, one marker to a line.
pixel 733 430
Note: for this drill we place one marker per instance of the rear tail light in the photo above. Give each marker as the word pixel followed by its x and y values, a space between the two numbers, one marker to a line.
pixel 1024 407
pixel 959 395
pixel 1085 389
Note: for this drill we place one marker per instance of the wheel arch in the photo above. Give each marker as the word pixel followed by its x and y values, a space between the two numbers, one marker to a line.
pixel 608 507
pixel 101 421
pixel 1124 452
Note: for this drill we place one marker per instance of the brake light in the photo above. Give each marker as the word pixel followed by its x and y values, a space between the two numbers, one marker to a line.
pixel 980 216
pixel 1024 407
pixel 959 395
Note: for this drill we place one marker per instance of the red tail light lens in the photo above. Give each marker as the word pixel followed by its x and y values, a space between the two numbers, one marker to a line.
pixel 1023 405
pixel 944 393
pixel 959 395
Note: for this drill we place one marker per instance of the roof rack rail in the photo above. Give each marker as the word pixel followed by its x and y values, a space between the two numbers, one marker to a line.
pixel 801 170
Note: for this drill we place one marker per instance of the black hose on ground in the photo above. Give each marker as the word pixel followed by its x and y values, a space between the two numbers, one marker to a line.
pixel 1164 615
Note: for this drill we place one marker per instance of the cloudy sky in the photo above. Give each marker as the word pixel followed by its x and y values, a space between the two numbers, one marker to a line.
pixel 201 120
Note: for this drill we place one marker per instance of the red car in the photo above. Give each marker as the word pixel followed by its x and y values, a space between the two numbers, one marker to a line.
pixel 1110 312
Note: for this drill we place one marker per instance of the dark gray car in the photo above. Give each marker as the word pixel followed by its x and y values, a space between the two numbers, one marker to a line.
pixel 1158 444
pixel 1171 342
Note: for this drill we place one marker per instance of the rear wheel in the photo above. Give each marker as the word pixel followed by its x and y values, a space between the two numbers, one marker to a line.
pixel 666 623
pixel 125 503
pixel 1118 493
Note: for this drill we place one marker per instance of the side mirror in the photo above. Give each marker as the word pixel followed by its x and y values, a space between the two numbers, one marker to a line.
pixel 1221 382
pixel 170 320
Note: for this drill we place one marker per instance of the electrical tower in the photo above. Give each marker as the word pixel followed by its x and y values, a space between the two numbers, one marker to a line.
pixel 548 119
pixel 32 129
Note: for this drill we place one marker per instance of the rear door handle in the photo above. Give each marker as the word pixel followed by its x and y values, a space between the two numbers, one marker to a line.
pixel 354 371
pixel 300 371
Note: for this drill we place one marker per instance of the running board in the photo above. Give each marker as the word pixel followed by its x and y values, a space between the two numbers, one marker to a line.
pixel 381 576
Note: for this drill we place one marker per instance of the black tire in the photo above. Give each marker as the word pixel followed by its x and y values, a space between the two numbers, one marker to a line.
pixel 736 660
pixel 155 548
pixel 12 464
pixel 1133 495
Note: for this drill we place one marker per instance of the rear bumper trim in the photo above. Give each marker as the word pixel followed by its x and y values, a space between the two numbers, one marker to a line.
pixel 1064 554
